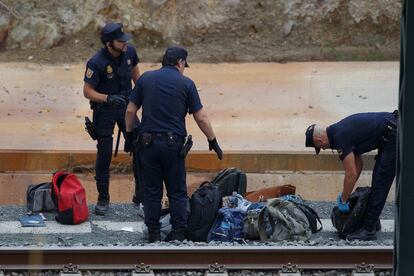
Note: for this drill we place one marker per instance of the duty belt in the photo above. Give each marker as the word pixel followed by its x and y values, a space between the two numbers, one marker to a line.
pixel 169 137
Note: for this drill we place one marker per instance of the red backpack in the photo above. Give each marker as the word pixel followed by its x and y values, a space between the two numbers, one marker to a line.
pixel 70 198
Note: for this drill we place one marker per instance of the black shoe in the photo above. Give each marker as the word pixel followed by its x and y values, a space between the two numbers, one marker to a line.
pixel 176 235
pixel 136 201
pixel 378 226
pixel 102 207
pixel 363 235
pixel 154 236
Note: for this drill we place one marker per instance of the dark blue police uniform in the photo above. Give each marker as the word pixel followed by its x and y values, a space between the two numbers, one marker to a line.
pixel 361 133
pixel 166 96
pixel 111 76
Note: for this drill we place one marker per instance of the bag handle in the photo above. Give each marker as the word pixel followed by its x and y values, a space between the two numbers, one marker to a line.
pixel 57 179
pixel 313 212
pixel 204 183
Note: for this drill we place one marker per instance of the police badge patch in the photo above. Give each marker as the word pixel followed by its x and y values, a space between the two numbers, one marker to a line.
pixel 129 62
pixel 109 69
pixel 89 73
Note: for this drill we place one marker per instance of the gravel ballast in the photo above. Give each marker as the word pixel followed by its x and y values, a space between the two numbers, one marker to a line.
pixel 130 213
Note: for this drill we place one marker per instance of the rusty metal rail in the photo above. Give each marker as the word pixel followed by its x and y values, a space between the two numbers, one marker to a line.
pixel 174 257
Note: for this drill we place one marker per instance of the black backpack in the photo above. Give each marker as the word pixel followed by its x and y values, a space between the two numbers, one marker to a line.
pixel 352 221
pixel 39 198
pixel 231 180
pixel 204 203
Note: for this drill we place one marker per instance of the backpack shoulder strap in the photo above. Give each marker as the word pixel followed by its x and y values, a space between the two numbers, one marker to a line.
pixel 305 208
pixel 204 183
pixel 57 180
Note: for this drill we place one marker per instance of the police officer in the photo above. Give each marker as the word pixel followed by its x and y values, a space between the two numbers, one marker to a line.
pixel 107 84
pixel 352 137
pixel 166 96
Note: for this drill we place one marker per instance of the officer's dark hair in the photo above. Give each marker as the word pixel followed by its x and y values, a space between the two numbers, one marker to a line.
pixel 111 43
pixel 169 61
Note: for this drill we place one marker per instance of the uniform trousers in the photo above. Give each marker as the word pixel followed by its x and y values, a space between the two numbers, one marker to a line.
pixel 104 119
pixel 382 178
pixel 161 163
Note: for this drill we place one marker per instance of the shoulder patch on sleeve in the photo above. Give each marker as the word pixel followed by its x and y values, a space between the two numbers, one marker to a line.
pixel 89 73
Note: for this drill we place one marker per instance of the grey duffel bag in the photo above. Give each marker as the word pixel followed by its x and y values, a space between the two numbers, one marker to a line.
pixel 287 220
pixel 39 198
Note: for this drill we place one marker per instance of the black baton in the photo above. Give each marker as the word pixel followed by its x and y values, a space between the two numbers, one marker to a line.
pixel 117 142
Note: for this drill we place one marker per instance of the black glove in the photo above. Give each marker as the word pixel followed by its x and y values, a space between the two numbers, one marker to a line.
pixel 213 145
pixel 129 142
pixel 117 101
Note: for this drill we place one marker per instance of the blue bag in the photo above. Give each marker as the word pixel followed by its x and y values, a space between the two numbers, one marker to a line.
pixel 228 226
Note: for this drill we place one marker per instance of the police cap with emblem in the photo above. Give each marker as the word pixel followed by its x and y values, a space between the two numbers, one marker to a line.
pixel 173 55
pixel 309 138
pixel 114 31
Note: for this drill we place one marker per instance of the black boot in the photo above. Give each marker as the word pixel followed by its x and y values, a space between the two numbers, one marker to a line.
pixel 136 200
pixel 378 226
pixel 363 234
pixel 102 206
pixel 176 235
pixel 154 236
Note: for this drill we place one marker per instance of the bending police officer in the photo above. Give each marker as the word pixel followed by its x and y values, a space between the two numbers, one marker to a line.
pixel 107 84
pixel 166 96
pixel 352 137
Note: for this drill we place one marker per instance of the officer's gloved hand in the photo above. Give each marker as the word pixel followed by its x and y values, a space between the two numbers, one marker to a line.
pixel 116 101
pixel 213 145
pixel 129 142
pixel 342 206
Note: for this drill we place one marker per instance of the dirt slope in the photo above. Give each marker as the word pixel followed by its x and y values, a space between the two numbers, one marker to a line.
pixel 213 30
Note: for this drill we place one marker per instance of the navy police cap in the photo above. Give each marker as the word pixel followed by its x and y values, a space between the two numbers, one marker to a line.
pixel 309 138
pixel 114 31
pixel 174 54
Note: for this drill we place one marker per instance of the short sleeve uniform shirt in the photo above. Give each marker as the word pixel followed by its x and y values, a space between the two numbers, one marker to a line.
pixel 166 96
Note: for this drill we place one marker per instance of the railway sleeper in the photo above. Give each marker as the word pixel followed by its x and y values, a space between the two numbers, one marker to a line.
pixel 363 269
pixel 216 270
pixel 289 270
pixel 70 270
pixel 142 270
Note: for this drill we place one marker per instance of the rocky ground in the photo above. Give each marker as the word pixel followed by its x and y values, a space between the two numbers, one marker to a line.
pixel 54 31
pixel 129 212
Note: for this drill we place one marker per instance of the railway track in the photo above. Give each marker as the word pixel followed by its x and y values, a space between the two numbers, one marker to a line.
pixel 193 258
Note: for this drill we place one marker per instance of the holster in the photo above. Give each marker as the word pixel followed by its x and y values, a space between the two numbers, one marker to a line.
pixel 146 140
pixel 186 146
pixel 91 129
pixel 136 143
pixel 390 130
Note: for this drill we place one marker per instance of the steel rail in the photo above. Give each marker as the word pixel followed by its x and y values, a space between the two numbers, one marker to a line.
pixel 195 257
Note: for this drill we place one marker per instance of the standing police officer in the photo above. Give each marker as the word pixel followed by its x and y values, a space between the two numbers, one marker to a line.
pixel 166 96
pixel 351 137
pixel 107 84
